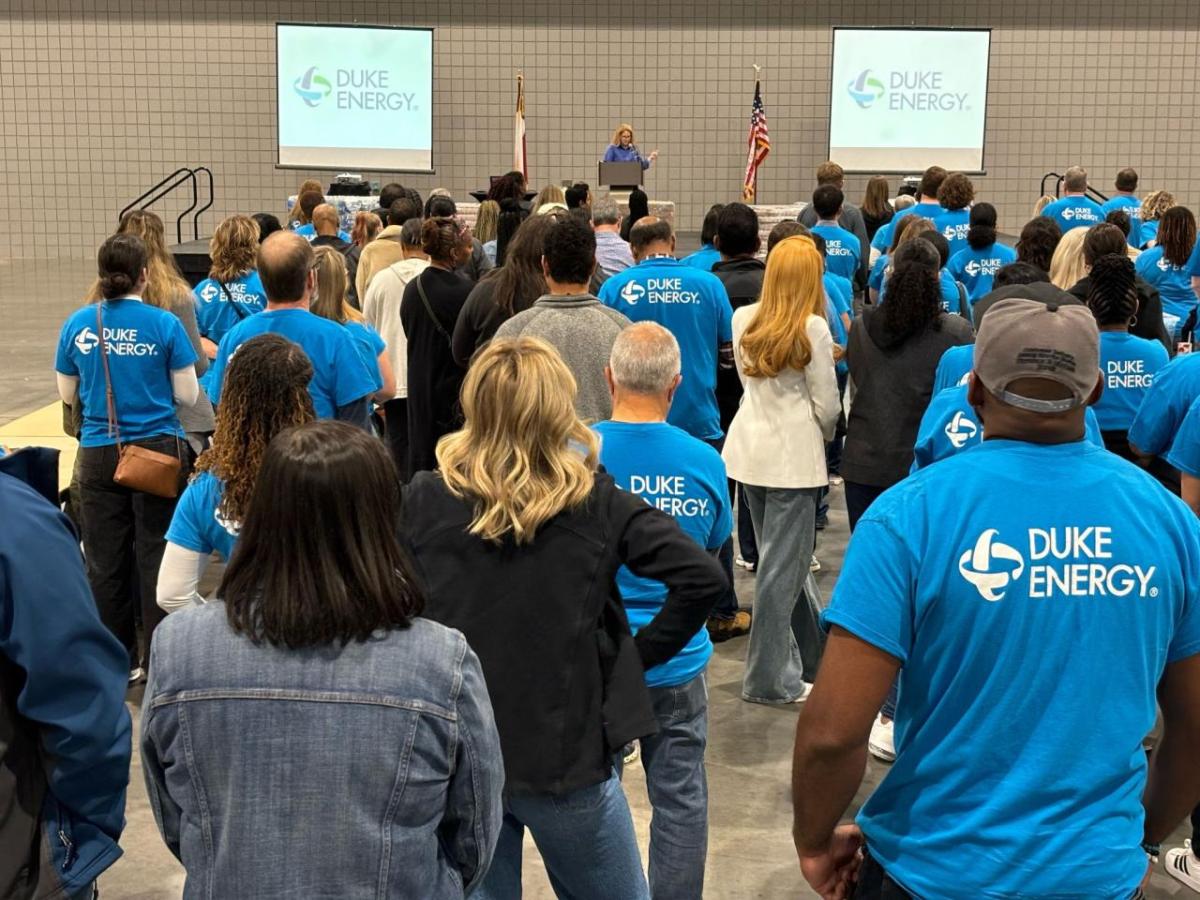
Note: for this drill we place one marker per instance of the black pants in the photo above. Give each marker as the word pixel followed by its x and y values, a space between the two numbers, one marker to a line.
pixel 124 535
pixel 745 526
pixel 858 498
pixel 395 420
pixel 875 884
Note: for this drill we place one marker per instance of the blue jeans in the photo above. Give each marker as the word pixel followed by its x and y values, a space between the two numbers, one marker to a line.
pixel 586 839
pixel 785 641
pixel 678 789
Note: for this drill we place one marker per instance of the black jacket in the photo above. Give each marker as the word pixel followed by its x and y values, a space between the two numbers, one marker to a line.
pixel 566 679
pixel 349 253
pixel 743 280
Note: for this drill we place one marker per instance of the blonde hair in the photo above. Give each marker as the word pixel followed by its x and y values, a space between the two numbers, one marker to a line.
pixel 551 193
pixel 233 248
pixel 518 453
pixel 487 220
pixel 777 336
pixel 332 283
pixel 1042 202
pixel 1155 204
pixel 1068 264
pixel 366 227
pixel 624 126
pixel 165 286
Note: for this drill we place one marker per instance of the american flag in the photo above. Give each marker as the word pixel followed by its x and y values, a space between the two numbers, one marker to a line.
pixel 759 144
pixel 520 160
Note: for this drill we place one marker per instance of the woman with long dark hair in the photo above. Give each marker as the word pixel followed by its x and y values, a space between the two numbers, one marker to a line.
pixel 639 208
pixel 518 539
pixel 266 392
pixel 331 714
pixel 131 363
pixel 429 312
pixel 512 214
pixel 876 206
pixel 504 292
pixel 976 266
pixel 1165 266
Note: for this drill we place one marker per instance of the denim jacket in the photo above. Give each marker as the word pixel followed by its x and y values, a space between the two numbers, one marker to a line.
pixel 369 770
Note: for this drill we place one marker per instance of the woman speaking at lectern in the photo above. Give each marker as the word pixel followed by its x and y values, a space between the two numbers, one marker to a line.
pixel 622 148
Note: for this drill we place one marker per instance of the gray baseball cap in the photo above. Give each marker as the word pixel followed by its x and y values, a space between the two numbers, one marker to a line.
pixel 1033 339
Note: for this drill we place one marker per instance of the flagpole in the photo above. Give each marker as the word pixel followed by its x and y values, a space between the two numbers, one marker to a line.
pixel 757 85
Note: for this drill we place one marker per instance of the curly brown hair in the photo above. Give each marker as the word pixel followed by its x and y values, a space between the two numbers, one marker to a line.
pixel 233 248
pixel 956 191
pixel 265 391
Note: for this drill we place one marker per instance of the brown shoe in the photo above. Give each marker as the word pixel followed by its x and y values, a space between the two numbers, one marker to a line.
pixel 723 629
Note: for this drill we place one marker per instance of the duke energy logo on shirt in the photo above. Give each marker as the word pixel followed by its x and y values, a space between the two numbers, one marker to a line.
pixel 669 494
pixel 1064 562
pixel 658 290
pixel 956 232
pixel 961 429
pixel 118 342
pixel 976 267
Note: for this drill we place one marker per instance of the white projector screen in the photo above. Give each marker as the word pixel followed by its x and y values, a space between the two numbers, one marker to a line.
pixel 903 99
pixel 354 97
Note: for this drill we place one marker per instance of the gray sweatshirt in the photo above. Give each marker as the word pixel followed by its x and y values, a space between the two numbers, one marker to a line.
pixel 583 330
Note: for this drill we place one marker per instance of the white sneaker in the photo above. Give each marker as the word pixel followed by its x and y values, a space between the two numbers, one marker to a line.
pixel 882 742
pixel 815 565
pixel 742 564
pixel 836 481
pixel 136 675
pixel 804 694
pixel 1183 865
pixel 632 753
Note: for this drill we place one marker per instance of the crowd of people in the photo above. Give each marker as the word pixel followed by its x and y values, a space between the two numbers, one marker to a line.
pixel 480 496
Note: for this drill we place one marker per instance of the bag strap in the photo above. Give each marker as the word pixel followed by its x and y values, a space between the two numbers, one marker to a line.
pixel 437 323
pixel 228 296
pixel 109 396
pixel 964 309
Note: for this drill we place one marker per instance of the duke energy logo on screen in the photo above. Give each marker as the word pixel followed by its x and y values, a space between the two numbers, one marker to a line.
pixel 920 91
pixel 311 87
pixel 368 89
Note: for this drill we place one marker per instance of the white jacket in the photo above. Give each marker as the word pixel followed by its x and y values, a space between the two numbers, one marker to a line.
pixel 381 309
pixel 778 436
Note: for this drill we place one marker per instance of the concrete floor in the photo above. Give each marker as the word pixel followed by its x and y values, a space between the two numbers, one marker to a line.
pixel 750 848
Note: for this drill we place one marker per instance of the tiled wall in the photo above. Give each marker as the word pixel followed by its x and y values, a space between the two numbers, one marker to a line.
pixel 99 99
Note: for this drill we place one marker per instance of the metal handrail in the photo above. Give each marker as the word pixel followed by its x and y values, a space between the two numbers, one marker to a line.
pixel 1058 180
pixel 211 199
pixel 173 181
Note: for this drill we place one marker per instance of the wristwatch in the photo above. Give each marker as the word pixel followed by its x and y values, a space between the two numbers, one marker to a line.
pixel 1152 850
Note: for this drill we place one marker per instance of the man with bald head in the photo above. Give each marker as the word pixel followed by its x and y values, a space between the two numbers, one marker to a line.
pixel 685 478
pixel 341 384
pixel 693 305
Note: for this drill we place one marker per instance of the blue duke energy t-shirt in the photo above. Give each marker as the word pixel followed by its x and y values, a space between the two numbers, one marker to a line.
pixel 218 311
pixel 145 345
pixel 1165 404
pixel 1185 451
pixel 370 344
pixel 339 375
pixel 685 478
pixel 1032 636
pixel 954 367
pixel 976 269
pixel 197 524
pixel 953 225
pixel 1074 212
pixel 950 426
pixel 842 249
pixel 1129 364
pixel 694 307
pixel 1173 282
